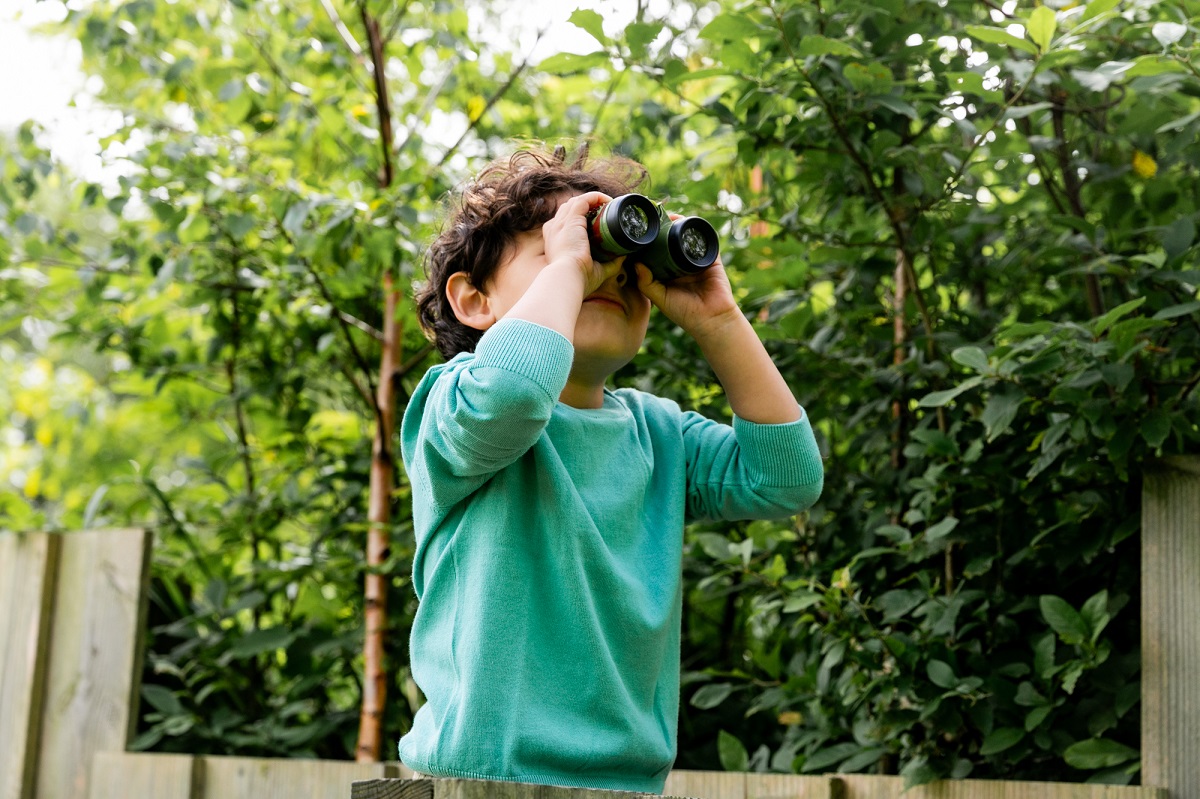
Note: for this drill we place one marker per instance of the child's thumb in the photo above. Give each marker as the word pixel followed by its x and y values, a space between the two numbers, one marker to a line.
pixel 653 289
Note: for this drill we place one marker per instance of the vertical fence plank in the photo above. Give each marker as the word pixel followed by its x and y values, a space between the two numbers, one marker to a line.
pixel 1171 626
pixel 94 659
pixel 27 565
pixel 135 775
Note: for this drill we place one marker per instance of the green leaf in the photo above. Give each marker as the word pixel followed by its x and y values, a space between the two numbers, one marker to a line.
pixel 824 758
pixel 938 398
pixel 941 674
pixel 1098 7
pixel 999 412
pixel 731 752
pixel 570 63
pixel 639 35
pixel 918 772
pixel 1098 753
pixel 814 44
pixel 1001 739
pixel 162 699
pixel 896 105
pixel 730 27
pixel 591 22
pixel 1064 619
pixel 1095 613
pixel 1183 309
pixel 1104 322
pixel 801 601
pixel 257 642
pixel 972 358
pixel 709 696
pixel 860 761
pixel 1042 23
pixel 941 529
pixel 1035 717
pixel 1150 65
pixel 1156 427
pixel 1000 36
pixel 1178 236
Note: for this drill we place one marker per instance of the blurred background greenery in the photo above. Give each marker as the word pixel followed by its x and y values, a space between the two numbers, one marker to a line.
pixel 966 229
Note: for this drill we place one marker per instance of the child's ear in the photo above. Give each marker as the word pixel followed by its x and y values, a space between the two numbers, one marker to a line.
pixel 471 306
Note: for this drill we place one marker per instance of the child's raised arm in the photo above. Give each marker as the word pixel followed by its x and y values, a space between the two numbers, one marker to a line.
pixel 703 305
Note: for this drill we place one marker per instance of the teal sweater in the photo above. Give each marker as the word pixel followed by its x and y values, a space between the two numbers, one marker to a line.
pixel 548 561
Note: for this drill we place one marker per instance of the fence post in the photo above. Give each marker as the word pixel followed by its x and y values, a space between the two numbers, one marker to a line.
pixel 1171 626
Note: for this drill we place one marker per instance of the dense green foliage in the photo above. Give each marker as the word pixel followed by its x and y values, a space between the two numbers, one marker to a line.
pixel 192 346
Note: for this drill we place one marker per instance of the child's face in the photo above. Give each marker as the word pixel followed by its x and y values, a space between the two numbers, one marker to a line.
pixel 612 320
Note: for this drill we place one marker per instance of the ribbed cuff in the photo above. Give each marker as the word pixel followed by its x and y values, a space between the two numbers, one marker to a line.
pixel 786 454
pixel 528 349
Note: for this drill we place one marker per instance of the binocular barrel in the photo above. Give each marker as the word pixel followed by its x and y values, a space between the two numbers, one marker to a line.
pixel 640 228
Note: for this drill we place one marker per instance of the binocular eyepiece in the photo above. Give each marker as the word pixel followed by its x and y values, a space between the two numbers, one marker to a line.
pixel 636 226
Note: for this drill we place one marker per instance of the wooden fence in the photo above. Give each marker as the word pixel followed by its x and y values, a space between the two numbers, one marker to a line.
pixel 72 609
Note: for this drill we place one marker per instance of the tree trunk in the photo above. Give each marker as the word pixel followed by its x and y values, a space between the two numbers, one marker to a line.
pixel 379 515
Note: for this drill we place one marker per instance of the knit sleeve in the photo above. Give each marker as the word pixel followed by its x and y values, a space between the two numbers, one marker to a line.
pixel 750 470
pixel 481 413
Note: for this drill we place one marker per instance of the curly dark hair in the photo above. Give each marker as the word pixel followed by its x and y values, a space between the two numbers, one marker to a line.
pixel 506 198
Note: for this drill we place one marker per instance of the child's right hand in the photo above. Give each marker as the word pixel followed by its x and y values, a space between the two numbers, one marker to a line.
pixel 566 240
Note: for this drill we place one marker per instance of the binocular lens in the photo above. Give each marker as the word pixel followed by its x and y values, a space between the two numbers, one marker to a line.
pixel 634 221
pixel 694 245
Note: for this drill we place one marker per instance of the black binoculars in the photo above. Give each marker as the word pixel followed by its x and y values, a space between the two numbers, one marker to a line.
pixel 636 226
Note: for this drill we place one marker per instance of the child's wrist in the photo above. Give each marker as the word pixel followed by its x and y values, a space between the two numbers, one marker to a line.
pixel 717 327
pixel 567 272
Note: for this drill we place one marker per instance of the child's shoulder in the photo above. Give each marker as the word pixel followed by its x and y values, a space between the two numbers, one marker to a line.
pixel 643 403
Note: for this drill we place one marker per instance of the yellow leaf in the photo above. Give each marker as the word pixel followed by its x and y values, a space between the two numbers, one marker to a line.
pixel 44 435
pixel 33 484
pixel 790 717
pixel 359 111
pixel 475 107
pixel 1144 165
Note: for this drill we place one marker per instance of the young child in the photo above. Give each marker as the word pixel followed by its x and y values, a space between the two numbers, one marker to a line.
pixel 549 509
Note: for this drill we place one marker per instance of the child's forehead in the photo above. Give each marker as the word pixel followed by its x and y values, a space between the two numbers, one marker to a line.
pixel 550 202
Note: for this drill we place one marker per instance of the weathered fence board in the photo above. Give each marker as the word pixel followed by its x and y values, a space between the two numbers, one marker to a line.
pixel 476 789
pixel 868 786
pixel 151 776
pixel 27 565
pixel 95 656
pixel 71 658
pixel 277 778
pixel 1171 626
pixel 788 786
pixel 723 784
pixel 123 775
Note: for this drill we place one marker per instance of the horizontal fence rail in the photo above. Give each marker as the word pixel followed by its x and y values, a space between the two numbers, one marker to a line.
pixel 127 775
pixel 72 613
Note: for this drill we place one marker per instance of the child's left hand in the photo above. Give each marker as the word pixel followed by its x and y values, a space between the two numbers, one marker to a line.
pixel 700 303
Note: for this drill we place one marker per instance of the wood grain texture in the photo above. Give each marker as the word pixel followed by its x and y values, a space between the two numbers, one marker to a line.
pixel 27 568
pixel 392 789
pixel 281 778
pixel 1171 626
pixel 482 789
pixel 706 784
pixel 787 786
pixel 93 662
pixel 140 775
pixel 868 786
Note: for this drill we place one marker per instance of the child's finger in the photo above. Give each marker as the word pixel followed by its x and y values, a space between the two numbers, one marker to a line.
pixel 653 289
